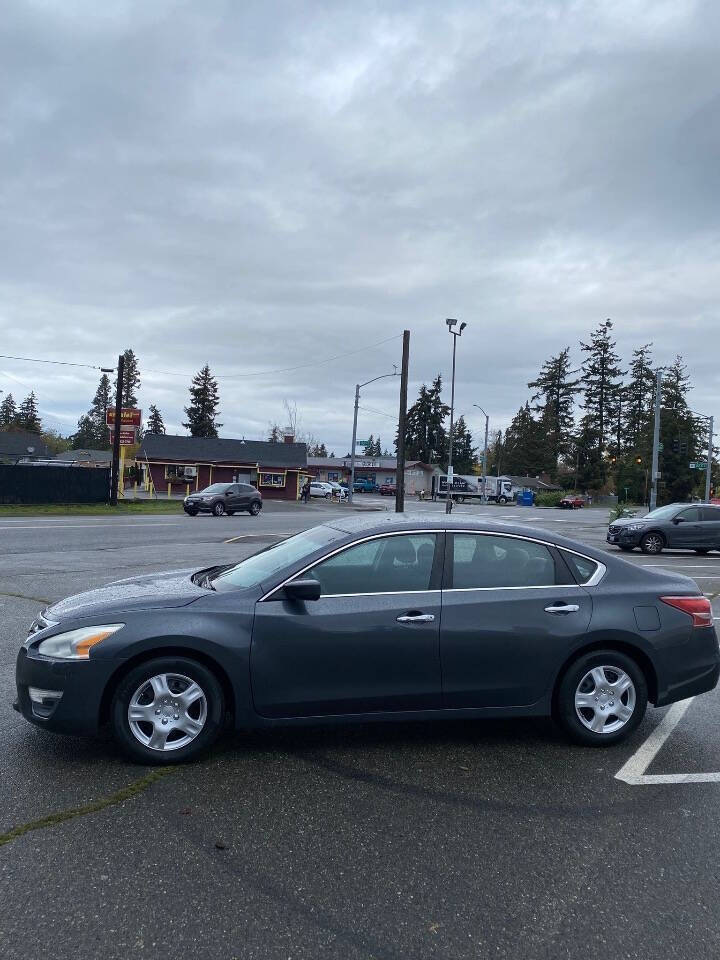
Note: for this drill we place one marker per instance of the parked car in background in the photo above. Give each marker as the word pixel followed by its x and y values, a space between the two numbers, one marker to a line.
pixel 342 622
pixel 319 488
pixel 224 498
pixel 388 489
pixel 681 526
pixel 365 486
pixel 338 490
pixel 571 502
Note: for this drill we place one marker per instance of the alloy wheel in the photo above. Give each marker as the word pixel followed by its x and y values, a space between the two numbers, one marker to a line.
pixel 605 699
pixel 167 712
pixel 652 543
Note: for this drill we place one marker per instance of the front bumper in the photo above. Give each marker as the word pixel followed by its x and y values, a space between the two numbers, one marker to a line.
pixel 80 683
pixel 625 538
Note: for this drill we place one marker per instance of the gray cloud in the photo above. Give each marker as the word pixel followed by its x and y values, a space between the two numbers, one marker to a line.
pixel 260 185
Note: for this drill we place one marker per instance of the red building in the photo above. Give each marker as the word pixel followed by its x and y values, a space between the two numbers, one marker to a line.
pixel 174 463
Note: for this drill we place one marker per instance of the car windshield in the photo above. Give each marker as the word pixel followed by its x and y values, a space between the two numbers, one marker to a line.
pixel 215 488
pixel 662 513
pixel 266 564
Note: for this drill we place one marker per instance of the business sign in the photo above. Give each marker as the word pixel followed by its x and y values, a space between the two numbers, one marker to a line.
pixel 698 465
pixel 127 436
pixel 129 417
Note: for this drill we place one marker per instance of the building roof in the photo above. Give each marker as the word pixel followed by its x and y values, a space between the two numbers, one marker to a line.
pixel 22 443
pixel 99 456
pixel 192 450
pixel 379 463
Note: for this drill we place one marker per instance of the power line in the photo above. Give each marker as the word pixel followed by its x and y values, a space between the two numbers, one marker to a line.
pixel 378 413
pixel 60 363
pixel 267 373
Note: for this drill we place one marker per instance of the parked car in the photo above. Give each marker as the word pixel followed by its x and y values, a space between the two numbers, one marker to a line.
pixel 677 525
pixel 388 489
pixel 365 486
pixel 222 498
pixel 342 623
pixel 571 502
pixel 319 488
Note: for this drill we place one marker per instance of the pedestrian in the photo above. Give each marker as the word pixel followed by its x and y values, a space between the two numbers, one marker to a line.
pixel 305 494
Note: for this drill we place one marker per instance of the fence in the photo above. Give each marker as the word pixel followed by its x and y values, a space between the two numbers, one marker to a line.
pixel 45 484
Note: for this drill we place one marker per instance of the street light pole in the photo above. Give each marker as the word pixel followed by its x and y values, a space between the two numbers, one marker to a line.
pixel 448 495
pixel 656 442
pixel 487 422
pixel 354 433
pixel 708 469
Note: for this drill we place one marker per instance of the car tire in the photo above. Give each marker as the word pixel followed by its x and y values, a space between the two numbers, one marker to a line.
pixel 652 543
pixel 255 508
pixel 502 499
pixel 218 509
pixel 207 711
pixel 230 513
pixel 702 550
pixel 575 702
pixel 191 513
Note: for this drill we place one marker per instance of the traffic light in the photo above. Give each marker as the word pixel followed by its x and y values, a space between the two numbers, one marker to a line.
pixel 613 460
pixel 638 460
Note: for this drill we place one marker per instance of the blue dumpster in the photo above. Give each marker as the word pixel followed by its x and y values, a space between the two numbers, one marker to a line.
pixel 526 498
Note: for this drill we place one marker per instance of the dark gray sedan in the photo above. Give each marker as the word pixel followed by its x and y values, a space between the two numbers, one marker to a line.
pixel 367 619
pixel 680 526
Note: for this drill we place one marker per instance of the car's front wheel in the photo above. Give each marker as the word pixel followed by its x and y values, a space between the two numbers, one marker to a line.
pixel 218 510
pixel 601 698
pixel 652 543
pixel 167 710
pixel 702 550
pixel 255 508
pixel 191 513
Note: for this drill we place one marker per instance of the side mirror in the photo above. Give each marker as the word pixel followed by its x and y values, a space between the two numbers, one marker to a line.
pixel 677 520
pixel 302 589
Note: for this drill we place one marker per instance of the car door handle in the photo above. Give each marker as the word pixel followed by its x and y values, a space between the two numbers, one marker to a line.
pixel 563 608
pixel 416 618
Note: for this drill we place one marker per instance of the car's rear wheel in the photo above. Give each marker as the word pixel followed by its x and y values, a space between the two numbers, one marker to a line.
pixel 652 542
pixel 626 549
pixel 167 710
pixel 702 550
pixel 255 508
pixel 601 698
pixel 218 510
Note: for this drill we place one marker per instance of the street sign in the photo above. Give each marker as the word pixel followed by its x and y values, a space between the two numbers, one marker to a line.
pixel 361 443
pixel 698 465
pixel 661 447
pixel 129 417
pixel 127 436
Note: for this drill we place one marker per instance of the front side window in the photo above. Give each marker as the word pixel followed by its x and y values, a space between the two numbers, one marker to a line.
pixel 384 565
pixel 692 515
pixel 483 560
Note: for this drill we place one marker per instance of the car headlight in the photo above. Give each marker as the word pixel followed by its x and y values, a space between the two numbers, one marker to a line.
pixel 76 644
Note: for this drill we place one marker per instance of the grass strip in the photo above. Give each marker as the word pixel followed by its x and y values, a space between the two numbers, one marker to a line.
pixel 91 509
pixel 120 796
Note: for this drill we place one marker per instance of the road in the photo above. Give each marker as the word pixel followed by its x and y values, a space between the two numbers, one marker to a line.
pixel 447 840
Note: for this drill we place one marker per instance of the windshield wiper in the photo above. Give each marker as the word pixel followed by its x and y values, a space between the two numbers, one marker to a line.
pixel 207 582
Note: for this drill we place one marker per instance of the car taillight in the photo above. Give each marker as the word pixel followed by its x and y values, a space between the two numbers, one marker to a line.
pixel 699 608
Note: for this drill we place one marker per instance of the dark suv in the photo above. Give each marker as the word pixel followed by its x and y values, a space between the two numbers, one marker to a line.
pixel 682 526
pixel 222 498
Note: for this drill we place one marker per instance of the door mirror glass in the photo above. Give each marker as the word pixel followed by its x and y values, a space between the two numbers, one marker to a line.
pixel 307 589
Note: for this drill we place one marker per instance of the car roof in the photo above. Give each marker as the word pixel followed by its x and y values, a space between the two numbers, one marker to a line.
pixel 368 525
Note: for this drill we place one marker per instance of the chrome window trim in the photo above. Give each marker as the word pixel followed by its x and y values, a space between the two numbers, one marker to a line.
pixel 346 546
pixel 537 586
pixel 379 593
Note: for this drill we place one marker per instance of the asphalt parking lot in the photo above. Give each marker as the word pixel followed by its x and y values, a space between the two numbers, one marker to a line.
pixel 450 840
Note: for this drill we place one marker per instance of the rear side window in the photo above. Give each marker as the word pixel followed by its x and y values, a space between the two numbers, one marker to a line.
pixel 581 567
pixel 482 560
pixel 710 513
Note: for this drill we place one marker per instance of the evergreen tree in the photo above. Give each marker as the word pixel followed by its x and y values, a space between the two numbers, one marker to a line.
pixel 463 450
pixel 155 423
pixel 203 408
pixel 377 450
pixel 425 435
pixel 601 397
pixel 369 448
pixel 683 436
pixel 131 379
pixel 495 464
pixel 318 450
pixel 637 420
pixel 8 412
pixel 85 437
pixel 524 448
pixel 55 442
pixel 28 417
pixel 554 401
pixel 102 401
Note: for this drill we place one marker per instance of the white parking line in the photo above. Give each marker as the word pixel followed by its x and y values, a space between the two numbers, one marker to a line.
pixel 633 771
pixel 81 526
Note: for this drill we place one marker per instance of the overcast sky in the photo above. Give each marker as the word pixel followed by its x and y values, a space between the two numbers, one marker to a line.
pixel 261 185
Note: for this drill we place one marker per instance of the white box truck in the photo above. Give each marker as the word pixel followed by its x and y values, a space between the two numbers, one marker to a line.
pixel 469 487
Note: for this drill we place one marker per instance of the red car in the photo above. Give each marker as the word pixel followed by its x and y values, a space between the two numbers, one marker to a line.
pixel 571 503
pixel 387 489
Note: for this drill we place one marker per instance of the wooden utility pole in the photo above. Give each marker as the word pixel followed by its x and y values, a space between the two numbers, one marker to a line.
pixel 114 473
pixel 400 472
